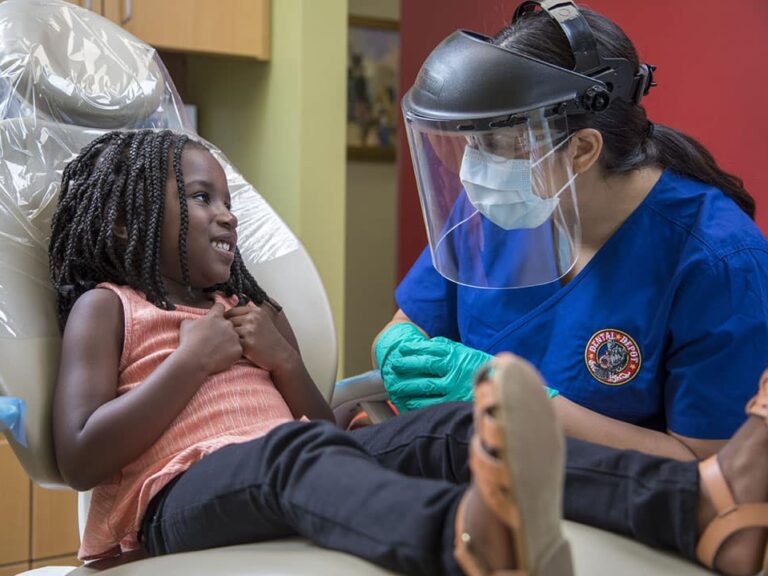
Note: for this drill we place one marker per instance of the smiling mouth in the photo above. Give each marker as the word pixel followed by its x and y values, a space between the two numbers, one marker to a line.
pixel 223 246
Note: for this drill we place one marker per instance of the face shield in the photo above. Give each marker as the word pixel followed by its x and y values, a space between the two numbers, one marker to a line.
pixel 488 133
pixel 499 205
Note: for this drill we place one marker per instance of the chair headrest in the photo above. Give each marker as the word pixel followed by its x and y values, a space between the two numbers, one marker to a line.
pixel 72 66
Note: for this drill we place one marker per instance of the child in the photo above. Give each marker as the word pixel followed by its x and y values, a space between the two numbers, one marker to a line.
pixel 183 401
pixel 167 404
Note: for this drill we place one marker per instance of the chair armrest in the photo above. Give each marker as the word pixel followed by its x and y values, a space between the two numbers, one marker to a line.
pixel 349 394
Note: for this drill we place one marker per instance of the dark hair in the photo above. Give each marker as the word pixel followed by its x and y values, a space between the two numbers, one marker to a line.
pixel 119 179
pixel 630 140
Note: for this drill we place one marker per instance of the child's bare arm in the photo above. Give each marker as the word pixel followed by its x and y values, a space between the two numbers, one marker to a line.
pixel 269 342
pixel 97 433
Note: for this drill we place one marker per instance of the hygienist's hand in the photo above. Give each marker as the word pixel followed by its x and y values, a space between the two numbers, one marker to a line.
pixel 262 342
pixel 419 374
pixel 211 340
pixel 395 336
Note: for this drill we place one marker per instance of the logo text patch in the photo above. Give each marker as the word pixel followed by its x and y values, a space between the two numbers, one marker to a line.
pixel 612 357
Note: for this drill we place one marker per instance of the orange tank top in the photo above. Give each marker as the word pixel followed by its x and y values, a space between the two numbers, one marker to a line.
pixel 234 406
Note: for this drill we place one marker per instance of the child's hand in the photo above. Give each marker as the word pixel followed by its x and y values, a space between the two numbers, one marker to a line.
pixel 211 340
pixel 263 343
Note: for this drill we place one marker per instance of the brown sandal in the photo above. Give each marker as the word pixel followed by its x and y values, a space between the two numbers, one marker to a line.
pixel 517 461
pixel 731 517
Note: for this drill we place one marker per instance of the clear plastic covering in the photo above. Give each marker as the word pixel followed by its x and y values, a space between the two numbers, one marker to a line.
pixel 67 75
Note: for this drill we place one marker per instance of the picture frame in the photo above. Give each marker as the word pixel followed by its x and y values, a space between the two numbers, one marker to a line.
pixel 373 61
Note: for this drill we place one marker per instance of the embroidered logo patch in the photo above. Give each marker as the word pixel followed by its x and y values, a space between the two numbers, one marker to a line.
pixel 612 357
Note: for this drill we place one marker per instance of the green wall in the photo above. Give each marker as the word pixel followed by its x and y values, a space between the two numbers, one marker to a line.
pixel 282 124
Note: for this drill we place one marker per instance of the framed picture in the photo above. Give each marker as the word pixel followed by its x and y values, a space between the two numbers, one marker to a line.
pixel 372 97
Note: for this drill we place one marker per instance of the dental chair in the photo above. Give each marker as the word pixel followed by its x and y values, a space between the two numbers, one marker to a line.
pixel 66 76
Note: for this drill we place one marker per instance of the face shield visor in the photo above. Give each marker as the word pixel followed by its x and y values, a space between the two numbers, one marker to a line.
pixel 499 204
pixel 488 132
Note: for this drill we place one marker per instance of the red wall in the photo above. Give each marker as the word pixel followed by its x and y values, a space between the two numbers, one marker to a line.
pixel 713 79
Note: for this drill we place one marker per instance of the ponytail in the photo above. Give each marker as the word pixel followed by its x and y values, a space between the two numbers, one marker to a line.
pixel 681 153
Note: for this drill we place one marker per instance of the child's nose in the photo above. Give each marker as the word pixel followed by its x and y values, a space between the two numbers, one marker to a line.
pixel 226 218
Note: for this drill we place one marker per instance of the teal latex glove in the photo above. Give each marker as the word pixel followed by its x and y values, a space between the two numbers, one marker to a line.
pixel 423 372
pixel 395 336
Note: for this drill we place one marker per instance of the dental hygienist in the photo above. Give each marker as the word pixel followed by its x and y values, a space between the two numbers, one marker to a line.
pixel 566 227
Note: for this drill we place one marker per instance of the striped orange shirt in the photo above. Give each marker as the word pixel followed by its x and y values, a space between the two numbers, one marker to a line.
pixel 234 406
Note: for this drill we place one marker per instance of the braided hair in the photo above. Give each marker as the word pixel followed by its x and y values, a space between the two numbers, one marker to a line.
pixel 119 180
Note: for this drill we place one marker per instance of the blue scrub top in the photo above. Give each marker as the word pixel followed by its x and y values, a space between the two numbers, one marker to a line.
pixel 666 327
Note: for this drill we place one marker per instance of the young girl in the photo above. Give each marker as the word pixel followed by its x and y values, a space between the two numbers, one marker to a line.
pixel 183 402
pixel 175 366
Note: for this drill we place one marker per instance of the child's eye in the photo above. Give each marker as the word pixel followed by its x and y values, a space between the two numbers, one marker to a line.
pixel 201 196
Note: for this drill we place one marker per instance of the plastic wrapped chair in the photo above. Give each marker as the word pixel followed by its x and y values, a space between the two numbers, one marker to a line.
pixel 66 76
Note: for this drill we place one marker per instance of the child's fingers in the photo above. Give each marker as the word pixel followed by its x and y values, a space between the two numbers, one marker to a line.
pixel 236 311
pixel 216 310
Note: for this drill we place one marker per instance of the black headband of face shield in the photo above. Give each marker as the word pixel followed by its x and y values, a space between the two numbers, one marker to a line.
pixel 612 71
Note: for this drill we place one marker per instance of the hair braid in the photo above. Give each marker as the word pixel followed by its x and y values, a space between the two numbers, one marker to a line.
pixel 134 205
pixel 242 283
pixel 155 208
pixel 183 212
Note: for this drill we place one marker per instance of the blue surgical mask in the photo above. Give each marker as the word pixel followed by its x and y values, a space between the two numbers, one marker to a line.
pixel 501 190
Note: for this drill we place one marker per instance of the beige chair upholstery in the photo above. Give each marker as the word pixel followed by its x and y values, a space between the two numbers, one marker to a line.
pixel 595 553
pixel 67 75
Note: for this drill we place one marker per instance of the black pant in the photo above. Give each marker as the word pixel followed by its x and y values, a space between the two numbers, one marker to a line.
pixel 388 493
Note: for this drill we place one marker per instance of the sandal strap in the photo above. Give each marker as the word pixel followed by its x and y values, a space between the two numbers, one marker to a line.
pixel 486 425
pixel 716 486
pixel 489 471
pixel 721 528
pixel 485 396
pixel 731 517
pixel 758 405
pixel 490 432
pixel 493 481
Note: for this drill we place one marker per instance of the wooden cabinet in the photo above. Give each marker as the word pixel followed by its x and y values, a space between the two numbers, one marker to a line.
pixel 14 508
pixel 54 523
pixel 95 5
pixel 38 526
pixel 13 569
pixel 231 27
pixel 69 560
